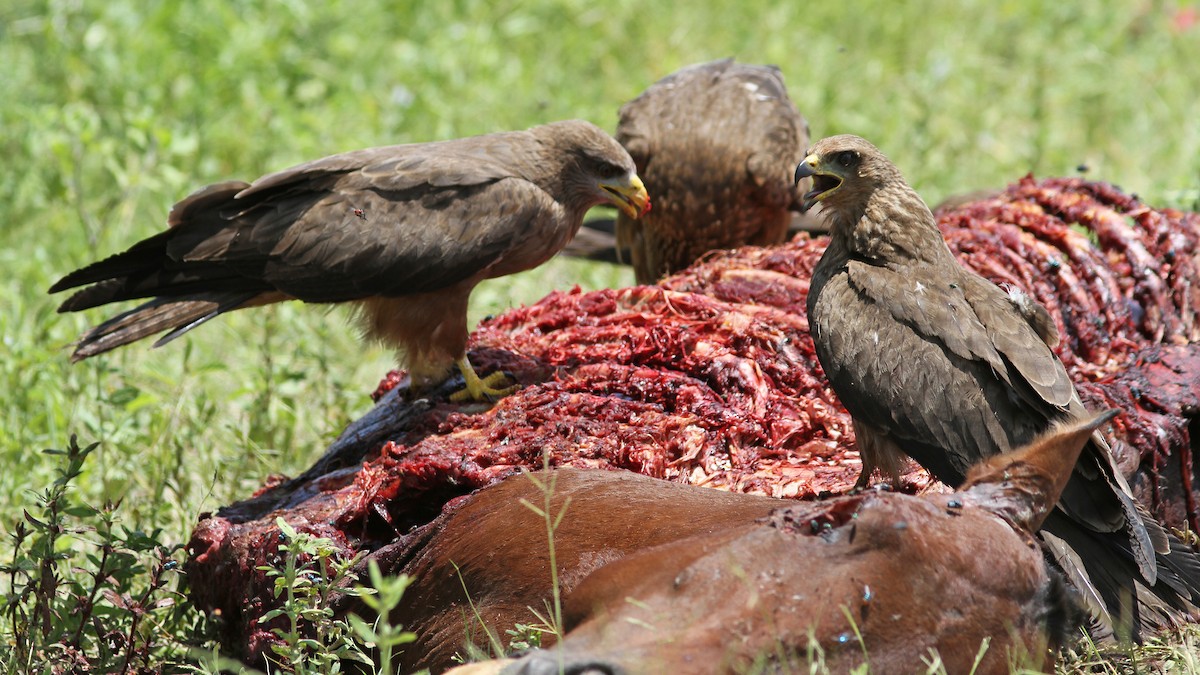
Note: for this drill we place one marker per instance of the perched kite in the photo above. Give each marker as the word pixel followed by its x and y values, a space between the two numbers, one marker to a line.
pixel 404 232
pixel 934 361
pixel 716 143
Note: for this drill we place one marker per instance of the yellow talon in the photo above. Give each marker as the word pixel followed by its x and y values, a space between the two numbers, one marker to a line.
pixel 480 389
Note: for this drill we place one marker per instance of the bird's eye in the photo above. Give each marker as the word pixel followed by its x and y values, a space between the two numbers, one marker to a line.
pixel 605 169
pixel 847 158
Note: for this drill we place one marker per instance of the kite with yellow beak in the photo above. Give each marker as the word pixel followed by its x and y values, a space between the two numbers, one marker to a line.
pixel 827 176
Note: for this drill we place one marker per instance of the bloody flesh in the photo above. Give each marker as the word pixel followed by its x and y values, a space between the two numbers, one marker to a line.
pixel 710 378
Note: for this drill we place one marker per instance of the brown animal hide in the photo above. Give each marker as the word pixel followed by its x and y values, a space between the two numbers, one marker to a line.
pixel 496 548
pixel 874 577
pixel 710 379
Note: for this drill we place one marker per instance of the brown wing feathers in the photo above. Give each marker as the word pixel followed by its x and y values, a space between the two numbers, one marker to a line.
pixel 414 225
pixel 979 353
pixel 711 141
pixel 189 294
pixel 233 244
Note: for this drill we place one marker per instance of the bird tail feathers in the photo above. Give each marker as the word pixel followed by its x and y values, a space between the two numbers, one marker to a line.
pixel 122 271
pixel 1126 604
pixel 177 314
pixel 138 259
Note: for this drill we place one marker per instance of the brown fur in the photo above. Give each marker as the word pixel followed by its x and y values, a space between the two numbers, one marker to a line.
pixel 647 566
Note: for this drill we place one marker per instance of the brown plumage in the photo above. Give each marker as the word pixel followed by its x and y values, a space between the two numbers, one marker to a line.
pixel 404 232
pixel 715 143
pixel 934 361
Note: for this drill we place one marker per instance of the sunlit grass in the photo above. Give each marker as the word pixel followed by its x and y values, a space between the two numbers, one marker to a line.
pixel 112 111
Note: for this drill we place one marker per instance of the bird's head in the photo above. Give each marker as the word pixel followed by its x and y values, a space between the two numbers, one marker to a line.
pixel 596 168
pixel 845 170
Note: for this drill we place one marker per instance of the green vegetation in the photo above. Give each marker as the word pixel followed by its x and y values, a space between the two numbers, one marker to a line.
pixel 113 110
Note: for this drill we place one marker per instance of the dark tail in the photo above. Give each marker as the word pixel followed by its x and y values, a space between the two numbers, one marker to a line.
pixel 177 314
pixel 139 260
pixel 1105 572
pixel 147 256
pixel 185 293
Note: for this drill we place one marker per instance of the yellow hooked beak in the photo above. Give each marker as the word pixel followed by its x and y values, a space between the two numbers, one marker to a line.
pixel 824 182
pixel 631 197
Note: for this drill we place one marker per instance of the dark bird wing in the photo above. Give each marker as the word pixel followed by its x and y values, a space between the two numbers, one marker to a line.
pixel 910 359
pixel 992 350
pixel 386 221
pixel 936 362
pixel 959 374
pixel 715 143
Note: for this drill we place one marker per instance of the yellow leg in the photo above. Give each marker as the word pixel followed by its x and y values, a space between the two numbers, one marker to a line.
pixel 480 389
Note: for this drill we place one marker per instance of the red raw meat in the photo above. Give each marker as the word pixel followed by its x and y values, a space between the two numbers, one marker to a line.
pixel 710 378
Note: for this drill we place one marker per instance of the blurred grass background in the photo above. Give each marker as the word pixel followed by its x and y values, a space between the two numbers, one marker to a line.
pixel 112 110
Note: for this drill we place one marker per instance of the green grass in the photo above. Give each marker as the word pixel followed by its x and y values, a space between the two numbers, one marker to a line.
pixel 113 110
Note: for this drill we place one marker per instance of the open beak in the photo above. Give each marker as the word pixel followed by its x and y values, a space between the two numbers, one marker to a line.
pixel 823 182
pixel 631 197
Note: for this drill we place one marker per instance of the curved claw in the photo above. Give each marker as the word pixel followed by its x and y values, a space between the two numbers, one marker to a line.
pixel 480 389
